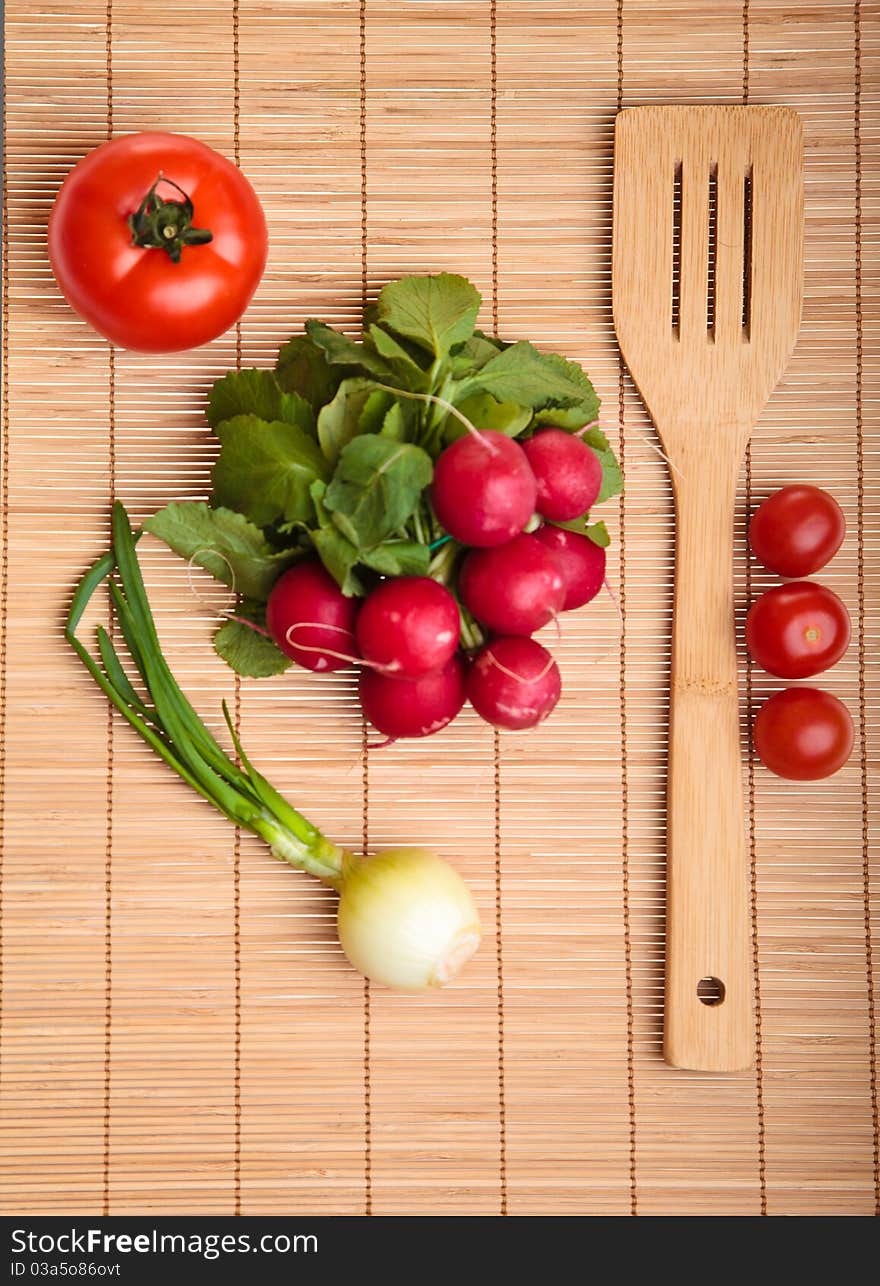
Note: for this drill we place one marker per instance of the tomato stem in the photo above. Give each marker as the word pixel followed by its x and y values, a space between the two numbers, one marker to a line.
pixel 162 224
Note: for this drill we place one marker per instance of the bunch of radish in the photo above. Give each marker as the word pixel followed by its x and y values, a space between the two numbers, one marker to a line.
pixel 513 572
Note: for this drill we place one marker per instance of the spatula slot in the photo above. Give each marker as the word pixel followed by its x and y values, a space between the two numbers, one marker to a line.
pixel 713 250
pixel 747 254
pixel 676 250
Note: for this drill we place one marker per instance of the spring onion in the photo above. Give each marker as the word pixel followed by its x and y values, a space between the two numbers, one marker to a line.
pixel 405 917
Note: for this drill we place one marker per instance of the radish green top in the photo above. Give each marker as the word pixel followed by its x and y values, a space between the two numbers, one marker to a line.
pixel 332 452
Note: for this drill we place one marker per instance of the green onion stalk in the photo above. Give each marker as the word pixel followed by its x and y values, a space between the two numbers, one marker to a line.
pixel 405 917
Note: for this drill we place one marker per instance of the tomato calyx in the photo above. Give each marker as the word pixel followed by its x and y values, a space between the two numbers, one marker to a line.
pixel 166 224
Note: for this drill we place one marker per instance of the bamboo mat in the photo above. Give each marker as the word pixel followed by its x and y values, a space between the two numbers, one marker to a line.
pixel 179 1031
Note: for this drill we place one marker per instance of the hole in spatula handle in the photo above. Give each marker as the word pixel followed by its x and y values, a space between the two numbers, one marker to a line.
pixel 711 991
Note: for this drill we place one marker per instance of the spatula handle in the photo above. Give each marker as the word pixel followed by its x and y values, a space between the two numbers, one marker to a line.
pixel 708 1020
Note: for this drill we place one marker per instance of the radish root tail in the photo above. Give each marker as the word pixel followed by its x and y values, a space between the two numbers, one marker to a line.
pixel 519 678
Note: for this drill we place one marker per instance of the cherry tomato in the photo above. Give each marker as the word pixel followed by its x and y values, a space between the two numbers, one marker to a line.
pixel 797 630
pixel 157 241
pixel 803 734
pixel 797 530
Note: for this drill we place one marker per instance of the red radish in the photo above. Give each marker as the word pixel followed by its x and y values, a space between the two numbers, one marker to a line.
pixel 413 707
pixel 514 589
pixel 408 626
pixel 567 471
pixel 582 562
pixel 513 682
pixel 483 490
pixel 311 619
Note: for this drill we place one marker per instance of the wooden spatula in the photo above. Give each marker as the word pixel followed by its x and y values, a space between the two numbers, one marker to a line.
pixel 707 288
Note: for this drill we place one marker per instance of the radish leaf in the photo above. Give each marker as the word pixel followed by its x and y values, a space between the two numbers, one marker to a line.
pixel 585 410
pixel 474 353
pixel 398 422
pixel 254 392
pixel 376 407
pixel 398 558
pixel 598 533
pixel 303 368
pixel 376 487
pixel 437 312
pixel 612 475
pixel 223 542
pixel 486 412
pixel 522 374
pixel 265 470
pixel 338 421
pixel 340 350
pixel 398 354
pixel 339 556
pixel 248 652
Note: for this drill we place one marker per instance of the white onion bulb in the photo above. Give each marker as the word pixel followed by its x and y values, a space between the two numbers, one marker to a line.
pixel 406 919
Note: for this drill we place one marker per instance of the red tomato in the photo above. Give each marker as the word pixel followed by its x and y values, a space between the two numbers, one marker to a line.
pixel 803 734
pixel 797 630
pixel 157 241
pixel 797 530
